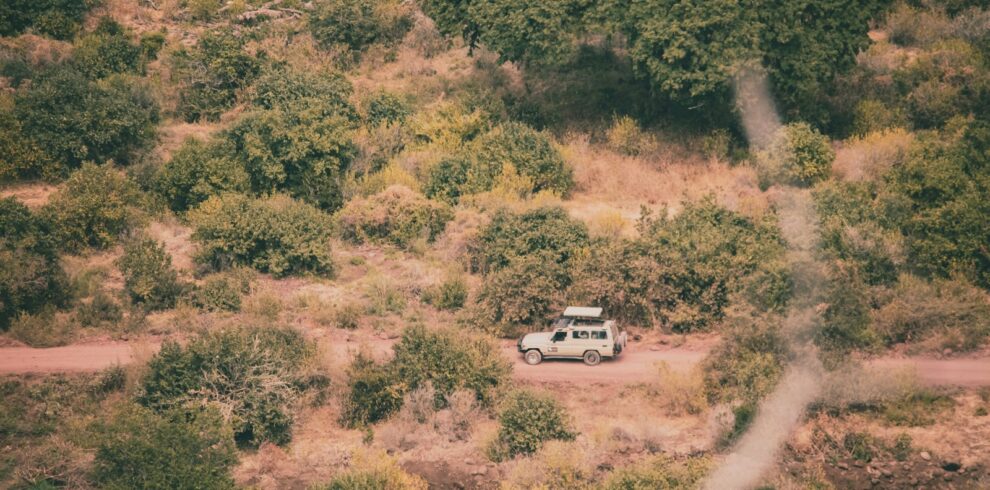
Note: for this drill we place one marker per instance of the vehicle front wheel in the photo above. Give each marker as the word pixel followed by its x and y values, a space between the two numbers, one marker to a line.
pixel 592 358
pixel 533 357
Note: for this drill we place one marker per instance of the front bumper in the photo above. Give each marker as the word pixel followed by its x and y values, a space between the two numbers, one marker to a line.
pixel 519 346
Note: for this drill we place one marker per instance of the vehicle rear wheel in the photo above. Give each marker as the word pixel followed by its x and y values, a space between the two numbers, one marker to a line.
pixel 533 357
pixel 592 358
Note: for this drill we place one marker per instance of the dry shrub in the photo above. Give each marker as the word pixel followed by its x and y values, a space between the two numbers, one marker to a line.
pixel 374 471
pixel 558 465
pixel 457 420
pixel 419 405
pixel 626 137
pixel 55 463
pixel 44 329
pixel 854 384
pixel 869 157
pixel 680 393
pixel 263 304
pixel 384 296
pixel 608 223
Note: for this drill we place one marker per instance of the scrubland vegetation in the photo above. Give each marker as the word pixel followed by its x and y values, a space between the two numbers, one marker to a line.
pixel 273 191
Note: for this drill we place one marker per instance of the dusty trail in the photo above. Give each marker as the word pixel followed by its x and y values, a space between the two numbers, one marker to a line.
pixel 636 365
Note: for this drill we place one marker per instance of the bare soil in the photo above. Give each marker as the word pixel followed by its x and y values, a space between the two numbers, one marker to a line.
pixel 638 364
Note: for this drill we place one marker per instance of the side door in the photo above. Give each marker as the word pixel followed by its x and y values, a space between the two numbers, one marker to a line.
pixel 579 341
pixel 558 344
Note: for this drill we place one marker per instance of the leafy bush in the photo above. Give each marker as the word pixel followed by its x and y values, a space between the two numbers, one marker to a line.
pixel 94 208
pixel 220 293
pixel 448 360
pixel 799 155
pixel 384 108
pixel 448 295
pixel 46 328
pixel 30 274
pixel 303 150
pixel 211 73
pixel 57 18
pixel 951 312
pixel 374 471
pixel 661 472
pixel 681 272
pixel 447 179
pixel 527 292
pixel 71 120
pixel 526 421
pixel 177 449
pixel 254 374
pixel 355 25
pixel 101 311
pixel 548 231
pixel 276 234
pixel 748 362
pixel 107 50
pixel 873 116
pixel 396 215
pixel 148 274
pixel 198 170
pixel 283 88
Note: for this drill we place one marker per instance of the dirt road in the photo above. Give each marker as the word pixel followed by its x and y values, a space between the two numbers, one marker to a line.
pixel 637 364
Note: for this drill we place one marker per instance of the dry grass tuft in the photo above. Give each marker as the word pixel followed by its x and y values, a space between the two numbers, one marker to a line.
pixel 869 157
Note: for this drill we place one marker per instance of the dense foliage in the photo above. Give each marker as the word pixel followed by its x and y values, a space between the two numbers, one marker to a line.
pixel 256 375
pixel 396 215
pixel 798 156
pixel 198 170
pixel 211 73
pixel 94 208
pixel 109 49
pixel 149 277
pixel 354 25
pixel 276 234
pixel 60 19
pixel 748 363
pixel 31 277
pixel 547 231
pixel 175 449
pixel 526 421
pixel 64 119
pixel 449 360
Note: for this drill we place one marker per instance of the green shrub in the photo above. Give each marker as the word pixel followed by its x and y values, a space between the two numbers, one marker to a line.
pixel 57 18
pixel 211 73
pixel 72 120
pixel 742 417
pixel 101 311
pixel 23 158
pixel 528 292
pixel 748 362
pixel 373 393
pixel 354 25
pixel 303 150
pixel 149 277
pixel 384 108
pixel 661 473
pixel 44 329
pixel 902 447
pixel 283 88
pixel 30 274
pixel 846 319
pixel 547 231
pixel 873 116
pixel 447 179
pixel 526 421
pixel 451 294
pixel 448 360
pixel 681 271
pixel 177 449
pixel 949 311
pixel 397 215
pixel 799 155
pixel 256 375
pixel 94 208
pixel 276 234
pixel 859 445
pixel 220 293
pixel 198 170
pixel 107 50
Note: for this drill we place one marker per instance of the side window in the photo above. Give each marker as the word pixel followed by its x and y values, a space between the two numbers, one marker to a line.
pixel 574 335
pixel 599 335
pixel 584 334
pixel 557 337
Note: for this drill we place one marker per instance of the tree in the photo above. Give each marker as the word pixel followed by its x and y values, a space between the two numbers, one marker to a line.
pixel 302 149
pixel 57 18
pixel 95 207
pixel 199 170
pixel 356 24
pixel 148 274
pixel 178 449
pixel 210 74
pixel 548 231
pixel 72 119
pixel 106 51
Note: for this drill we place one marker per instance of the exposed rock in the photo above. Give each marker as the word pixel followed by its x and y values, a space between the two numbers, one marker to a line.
pixel 925 455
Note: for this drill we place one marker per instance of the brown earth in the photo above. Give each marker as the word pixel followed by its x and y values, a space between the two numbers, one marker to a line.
pixel 636 365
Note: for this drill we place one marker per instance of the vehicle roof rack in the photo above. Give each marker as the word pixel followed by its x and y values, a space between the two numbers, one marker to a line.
pixel 582 312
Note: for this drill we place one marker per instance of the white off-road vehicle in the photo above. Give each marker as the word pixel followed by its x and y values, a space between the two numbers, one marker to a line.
pixel 580 333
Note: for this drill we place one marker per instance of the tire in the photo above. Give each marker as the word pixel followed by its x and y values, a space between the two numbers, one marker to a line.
pixel 533 357
pixel 592 358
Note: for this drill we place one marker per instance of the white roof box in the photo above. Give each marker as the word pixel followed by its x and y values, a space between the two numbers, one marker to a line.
pixel 583 312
